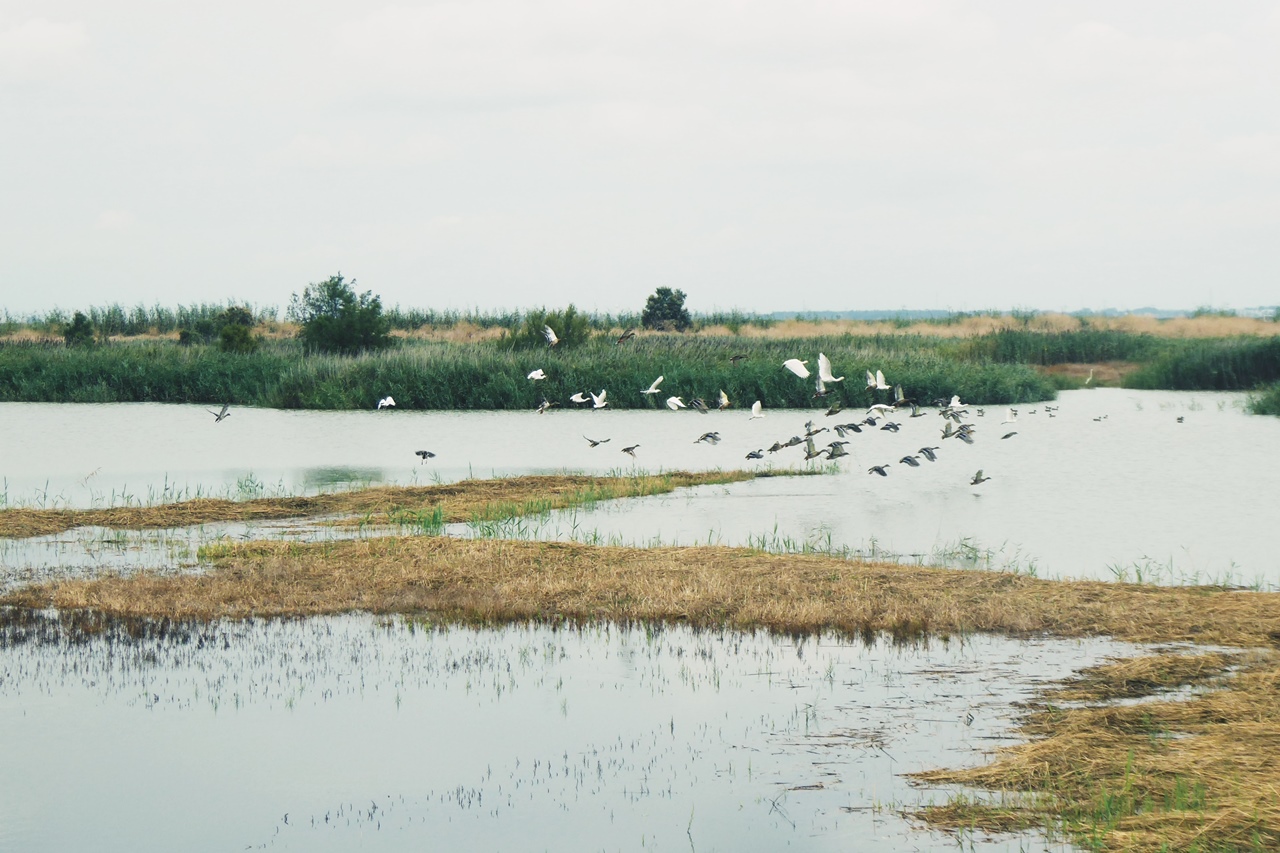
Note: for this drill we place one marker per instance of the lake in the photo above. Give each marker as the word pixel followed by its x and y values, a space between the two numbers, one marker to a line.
pixel 1170 487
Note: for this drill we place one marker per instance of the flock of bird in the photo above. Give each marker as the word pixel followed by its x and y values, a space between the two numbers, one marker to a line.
pixel 878 416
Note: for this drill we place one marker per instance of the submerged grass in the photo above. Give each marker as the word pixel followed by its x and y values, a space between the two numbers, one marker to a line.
pixel 406 505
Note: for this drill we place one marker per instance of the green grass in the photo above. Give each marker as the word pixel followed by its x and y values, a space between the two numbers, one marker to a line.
pixel 1235 364
pixel 1266 401
pixel 454 376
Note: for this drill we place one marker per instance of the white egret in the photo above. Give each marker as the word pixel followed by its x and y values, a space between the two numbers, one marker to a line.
pixel 653 389
pixel 824 369
pixel 598 401
pixel 386 402
pixel 674 403
pixel 537 374
pixel 756 411
pixel 797 367
pixel 578 397
pixel 550 334
pixel 875 381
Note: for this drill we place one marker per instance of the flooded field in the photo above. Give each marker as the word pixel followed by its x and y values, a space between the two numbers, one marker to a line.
pixel 343 732
pixel 1109 484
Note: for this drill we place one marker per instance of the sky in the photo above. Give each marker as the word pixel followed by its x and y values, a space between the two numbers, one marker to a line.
pixel 760 156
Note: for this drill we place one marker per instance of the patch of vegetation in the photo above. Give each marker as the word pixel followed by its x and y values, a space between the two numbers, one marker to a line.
pixel 80 332
pixel 1235 364
pixel 335 319
pixel 1267 401
pixel 664 310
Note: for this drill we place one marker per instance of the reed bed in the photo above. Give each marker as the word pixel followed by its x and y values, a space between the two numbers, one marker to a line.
pixel 455 502
pixel 1198 773
pixel 1213 365
pixel 1267 401
pixel 498 581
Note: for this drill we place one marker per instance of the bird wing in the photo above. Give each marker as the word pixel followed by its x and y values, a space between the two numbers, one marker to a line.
pixel 653 389
pixel 756 409
pixel 819 385
pixel 550 334
pixel 724 399
pixel 880 383
pixel 797 367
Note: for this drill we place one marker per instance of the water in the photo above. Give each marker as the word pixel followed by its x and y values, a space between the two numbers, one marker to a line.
pixel 344 732
pixel 1112 486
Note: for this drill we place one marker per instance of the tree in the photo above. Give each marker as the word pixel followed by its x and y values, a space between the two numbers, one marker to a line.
pixel 80 332
pixel 665 310
pixel 335 319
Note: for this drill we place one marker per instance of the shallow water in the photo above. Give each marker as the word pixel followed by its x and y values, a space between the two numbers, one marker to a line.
pixel 333 733
pixel 1112 486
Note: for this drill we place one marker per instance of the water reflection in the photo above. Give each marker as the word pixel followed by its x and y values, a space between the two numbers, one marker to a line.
pixel 331 733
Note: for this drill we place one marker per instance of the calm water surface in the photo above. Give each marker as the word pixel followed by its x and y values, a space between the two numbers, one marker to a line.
pixel 352 732
pixel 1112 485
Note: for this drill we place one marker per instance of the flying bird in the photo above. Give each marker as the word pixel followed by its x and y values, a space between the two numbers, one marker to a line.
pixel 724 400
pixel 797 367
pixel 384 403
pixel 756 411
pixel 630 451
pixel 699 404
pixel 709 438
pixel 424 455
pixel 909 460
pixel 875 382
pixel 674 403
pixel 653 389
pixel 882 470
pixel 756 454
pixel 626 336
pixel 1090 379
pixel 550 334
pixel 598 400
pixel 836 452
pixel 578 397
pixel 930 453
pixel 824 370
pixel 218 416
pixel 1009 434
pixel 978 478
pixel 596 443
pixel 537 374
pixel 544 405
pixel 734 359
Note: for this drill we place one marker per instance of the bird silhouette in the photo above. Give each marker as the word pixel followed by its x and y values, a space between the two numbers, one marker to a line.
pixel 544 405
pixel 630 451
pixel 882 470
pixel 909 460
pixel 424 455
pixel 756 454
pixel 596 442
pixel 218 416
pixel 709 438
pixel 627 335
pixel 978 478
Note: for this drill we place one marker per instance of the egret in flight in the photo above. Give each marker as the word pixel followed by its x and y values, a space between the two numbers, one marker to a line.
pixel 598 401
pixel 797 367
pixel 550 334
pixel 674 403
pixel 386 402
pixel 756 411
pixel 824 370
pixel 653 389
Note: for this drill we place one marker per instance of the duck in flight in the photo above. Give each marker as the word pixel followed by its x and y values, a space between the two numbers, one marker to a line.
pixel 596 442
pixel 630 451
pixel 218 416
pixel 424 455
pixel 978 478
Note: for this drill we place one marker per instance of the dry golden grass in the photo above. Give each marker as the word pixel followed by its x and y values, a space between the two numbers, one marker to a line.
pixel 503 581
pixel 966 327
pixel 487 499
pixel 1104 372
pixel 1192 774
pixel 460 332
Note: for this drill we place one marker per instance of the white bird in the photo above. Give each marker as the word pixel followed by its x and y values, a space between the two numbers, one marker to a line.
pixel 875 382
pixel 756 411
pixel 674 403
pixel 599 402
pixel 386 402
pixel 537 374
pixel 824 370
pixel 653 389
pixel 1090 379
pixel 797 367
pixel 1011 417
pixel 880 407
pixel 578 397
pixel 955 402
pixel 550 334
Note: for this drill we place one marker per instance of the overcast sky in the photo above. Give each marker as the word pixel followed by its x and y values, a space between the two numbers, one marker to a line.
pixel 759 155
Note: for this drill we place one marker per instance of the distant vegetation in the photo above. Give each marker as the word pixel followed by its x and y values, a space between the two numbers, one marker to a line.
pixel 344 350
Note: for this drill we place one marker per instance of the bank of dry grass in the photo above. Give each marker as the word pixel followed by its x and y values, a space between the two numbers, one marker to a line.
pixel 462 501
pixel 497 581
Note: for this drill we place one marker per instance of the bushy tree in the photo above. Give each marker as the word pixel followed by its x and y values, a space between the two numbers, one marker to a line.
pixel 335 319
pixel 571 328
pixel 80 332
pixel 665 310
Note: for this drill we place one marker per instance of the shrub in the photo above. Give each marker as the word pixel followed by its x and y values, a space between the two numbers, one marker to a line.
pixel 335 319
pixel 571 327
pixel 665 310
pixel 237 337
pixel 80 332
